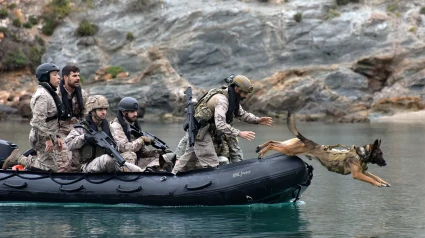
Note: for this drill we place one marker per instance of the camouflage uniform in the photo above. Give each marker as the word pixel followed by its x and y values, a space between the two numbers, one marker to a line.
pixel 221 149
pixel 145 157
pixel 181 147
pixel 234 150
pixel 64 158
pixel 104 163
pixel 203 149
pixel 43 107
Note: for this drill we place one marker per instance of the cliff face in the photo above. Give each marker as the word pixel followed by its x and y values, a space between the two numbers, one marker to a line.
pixel 328 61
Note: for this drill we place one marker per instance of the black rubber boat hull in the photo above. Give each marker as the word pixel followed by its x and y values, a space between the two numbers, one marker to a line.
pixel 274 179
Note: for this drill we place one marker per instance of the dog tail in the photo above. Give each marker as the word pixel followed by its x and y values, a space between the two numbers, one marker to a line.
pixel 291 126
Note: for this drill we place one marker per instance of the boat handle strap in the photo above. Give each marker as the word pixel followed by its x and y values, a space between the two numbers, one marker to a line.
pixel 198 187
pixel 119 189
pixel 23 185
pixel 72 189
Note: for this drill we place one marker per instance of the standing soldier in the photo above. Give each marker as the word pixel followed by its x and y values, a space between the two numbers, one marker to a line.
pixel 73 99
pixel 215 112
pixel 46 108
pixel 127 142
pixel 94 159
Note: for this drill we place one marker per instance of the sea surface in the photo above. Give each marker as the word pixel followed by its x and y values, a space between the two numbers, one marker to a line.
pixel 333 206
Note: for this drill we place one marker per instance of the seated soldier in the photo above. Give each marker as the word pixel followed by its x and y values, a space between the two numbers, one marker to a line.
pixel 94 159
pixel 151 160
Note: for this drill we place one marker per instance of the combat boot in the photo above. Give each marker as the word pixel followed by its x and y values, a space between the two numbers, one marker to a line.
pixel 12 160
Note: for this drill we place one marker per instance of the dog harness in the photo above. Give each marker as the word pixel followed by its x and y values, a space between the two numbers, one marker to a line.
pixel 336 158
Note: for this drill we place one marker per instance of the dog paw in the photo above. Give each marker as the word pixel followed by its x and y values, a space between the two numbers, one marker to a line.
pixel 257 149
pixel 387 185
pixel 260 157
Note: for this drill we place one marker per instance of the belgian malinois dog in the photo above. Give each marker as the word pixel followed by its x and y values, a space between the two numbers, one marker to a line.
pixel 352 160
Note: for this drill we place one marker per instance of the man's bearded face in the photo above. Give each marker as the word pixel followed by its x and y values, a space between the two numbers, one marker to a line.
pixel 130 116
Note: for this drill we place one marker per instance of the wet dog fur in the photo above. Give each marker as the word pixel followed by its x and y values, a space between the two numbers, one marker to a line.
pixel 356 165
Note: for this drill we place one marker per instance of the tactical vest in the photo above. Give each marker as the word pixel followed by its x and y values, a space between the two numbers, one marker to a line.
pixel 337 158
pixel 203 114
pixel 90 152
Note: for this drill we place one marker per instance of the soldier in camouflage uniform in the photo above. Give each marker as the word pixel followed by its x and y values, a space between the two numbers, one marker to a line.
pixel 221 149
pixel 215 112
pixel 93 158
pixel 73 98
pixel 121 131
pixel 46 108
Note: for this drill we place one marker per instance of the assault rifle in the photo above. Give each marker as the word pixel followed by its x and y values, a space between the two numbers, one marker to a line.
pixel 156 142
pixel 104 141
pixel 190 124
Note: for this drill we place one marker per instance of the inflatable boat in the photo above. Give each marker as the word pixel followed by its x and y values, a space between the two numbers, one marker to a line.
pixel 274 179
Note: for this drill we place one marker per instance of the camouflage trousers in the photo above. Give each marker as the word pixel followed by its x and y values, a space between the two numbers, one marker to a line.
pixel 44 160
pixel 66 162
pixel 181 147
pixel 202 155
pixel 235 151
pixel 105 163
pixel 148 158
pixel 228 148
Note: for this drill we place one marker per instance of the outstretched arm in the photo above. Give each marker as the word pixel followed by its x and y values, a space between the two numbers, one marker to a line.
pixel 266 121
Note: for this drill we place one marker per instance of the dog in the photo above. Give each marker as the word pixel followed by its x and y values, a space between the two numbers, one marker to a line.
pixel 352 160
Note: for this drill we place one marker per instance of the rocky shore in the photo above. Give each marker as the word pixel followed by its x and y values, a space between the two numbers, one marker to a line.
pixel 329 60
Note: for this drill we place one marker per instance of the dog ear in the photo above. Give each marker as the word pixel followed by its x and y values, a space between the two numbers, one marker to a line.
pixel 379 144
pixel 375 144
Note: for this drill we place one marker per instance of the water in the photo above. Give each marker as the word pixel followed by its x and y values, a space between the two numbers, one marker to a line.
pixel 333 206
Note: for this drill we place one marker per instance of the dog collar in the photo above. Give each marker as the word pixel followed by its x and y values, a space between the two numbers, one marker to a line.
pixel 364 154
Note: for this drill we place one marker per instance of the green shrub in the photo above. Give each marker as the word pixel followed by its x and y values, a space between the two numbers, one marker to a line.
pixel 422 11
pixel 142 5
pixel 27 24
pixel 49 27
pixel 12 6
pixel 16 22
pixel 86 29
pixel 58 8
pixel 33 20
pixel 392 7
pixel 413 29
pixel 298 17
pixel 16 60
pixel 345 2
pixel 130 36
pixel 39 40
pixel 3 29
pixel 53 13
pixel 332 14
pixel 35 55
pixel 3 13
pixel 89 4
pixel 115 70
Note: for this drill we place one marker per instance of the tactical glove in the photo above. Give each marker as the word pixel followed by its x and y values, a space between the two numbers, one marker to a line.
pixel 89 139
pixel 146 139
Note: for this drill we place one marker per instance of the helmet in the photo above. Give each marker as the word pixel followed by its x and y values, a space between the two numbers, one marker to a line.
pixel 45 69
pixel 128 104
pixel 96 102
pixel 243 83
